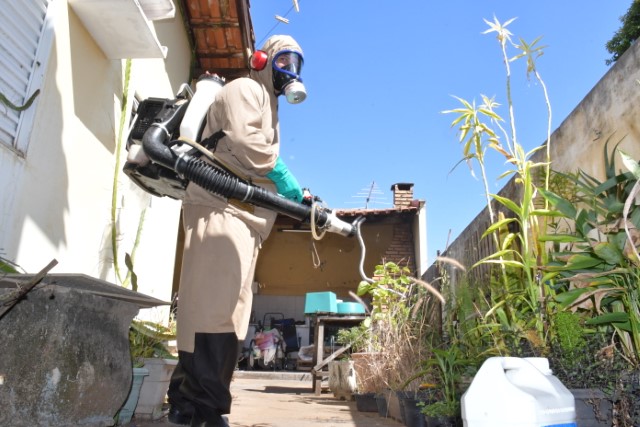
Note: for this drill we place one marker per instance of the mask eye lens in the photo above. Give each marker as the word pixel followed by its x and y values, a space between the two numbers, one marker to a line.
pixel 286 69
pixel 289 61
pixel 282 61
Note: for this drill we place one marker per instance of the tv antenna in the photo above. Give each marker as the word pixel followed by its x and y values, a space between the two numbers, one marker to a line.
pixel 371 195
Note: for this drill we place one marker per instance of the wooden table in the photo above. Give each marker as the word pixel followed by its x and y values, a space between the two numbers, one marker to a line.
pixel 319 361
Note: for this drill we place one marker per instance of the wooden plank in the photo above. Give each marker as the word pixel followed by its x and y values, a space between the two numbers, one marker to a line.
pixel 27 287
pixel 331 357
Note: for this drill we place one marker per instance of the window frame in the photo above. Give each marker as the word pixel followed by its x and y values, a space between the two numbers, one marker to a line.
pixel 19 139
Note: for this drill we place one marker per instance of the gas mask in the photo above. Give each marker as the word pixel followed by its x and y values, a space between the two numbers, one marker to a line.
pixel 287 66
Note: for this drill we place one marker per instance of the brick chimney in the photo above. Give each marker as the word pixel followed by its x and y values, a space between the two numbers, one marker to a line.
pixel 402 194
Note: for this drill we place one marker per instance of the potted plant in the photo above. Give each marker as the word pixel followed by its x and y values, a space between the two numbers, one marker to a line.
pixel 441 413
pixel 343 380
pixel 399 329
pixel 448 367
pixel 361 361
pixel 126 412
pixel 148 343
pixel 148 340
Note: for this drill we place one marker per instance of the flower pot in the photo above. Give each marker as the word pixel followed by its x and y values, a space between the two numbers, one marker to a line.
pixel 381 402
pixel 154 388
pixel 342 379
pixel 412 415
pixel 366 402
pixel 366 366
pixel 442 421
pixel 126 412
pixel 393 405
pixel 593 408
pixel 402 396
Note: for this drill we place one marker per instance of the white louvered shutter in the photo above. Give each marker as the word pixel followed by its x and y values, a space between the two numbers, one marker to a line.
pixel 25 43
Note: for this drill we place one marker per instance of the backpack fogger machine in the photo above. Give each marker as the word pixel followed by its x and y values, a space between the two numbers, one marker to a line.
pixel 164 156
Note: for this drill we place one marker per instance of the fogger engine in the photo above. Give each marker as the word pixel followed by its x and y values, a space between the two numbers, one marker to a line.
pixel 190 109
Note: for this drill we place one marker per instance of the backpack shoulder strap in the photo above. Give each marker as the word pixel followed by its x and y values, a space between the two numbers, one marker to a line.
pixel 211 142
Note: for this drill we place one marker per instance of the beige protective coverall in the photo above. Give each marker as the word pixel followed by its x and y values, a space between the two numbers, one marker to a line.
pixel 222 237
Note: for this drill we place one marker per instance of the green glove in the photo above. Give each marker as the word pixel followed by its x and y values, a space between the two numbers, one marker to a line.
pixel 286 184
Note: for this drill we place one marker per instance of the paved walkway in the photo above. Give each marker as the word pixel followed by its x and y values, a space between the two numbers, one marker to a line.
pixel 264 399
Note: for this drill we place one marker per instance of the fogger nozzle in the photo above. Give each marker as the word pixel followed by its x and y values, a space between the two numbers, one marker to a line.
pixel 333 224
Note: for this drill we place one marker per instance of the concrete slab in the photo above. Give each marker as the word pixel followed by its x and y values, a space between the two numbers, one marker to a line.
pixel 273 399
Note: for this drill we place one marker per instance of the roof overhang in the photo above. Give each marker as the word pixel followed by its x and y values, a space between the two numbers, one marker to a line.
pixel 221 35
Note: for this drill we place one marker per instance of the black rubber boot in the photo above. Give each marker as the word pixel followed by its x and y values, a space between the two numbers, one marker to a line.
pixel 176 416
pixel 180 409
pixel 220 421
pixel 207 377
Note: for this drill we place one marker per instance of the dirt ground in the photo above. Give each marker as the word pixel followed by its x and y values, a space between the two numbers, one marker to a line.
pixel 263 399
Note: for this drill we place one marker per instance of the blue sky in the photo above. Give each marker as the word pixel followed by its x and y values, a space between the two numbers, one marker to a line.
pixel 379 74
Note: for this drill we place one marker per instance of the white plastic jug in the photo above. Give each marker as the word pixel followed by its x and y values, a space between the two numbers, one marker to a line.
pixel 517 392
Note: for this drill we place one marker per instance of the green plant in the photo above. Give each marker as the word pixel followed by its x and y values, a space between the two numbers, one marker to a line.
pixel 595 262
pixel 450 366
pixel 149 340
pixel 446 366
pixel 569 332
pixel 7 266
pixel 130 277
pixel 464 320
pixel 399 328
pixel 536 266
pixel 358 337
pixel 439 409
pixel 518 299
pixel 588 363
pixel 388 291
pixel 627 34
pixel 595 269
pixel 578 358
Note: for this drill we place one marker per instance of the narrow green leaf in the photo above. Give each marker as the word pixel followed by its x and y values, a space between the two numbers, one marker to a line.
pixel 549 276
pixel 560 238
pixel 609 253
pixel 562 204
pixel 630 163
pixel 506 174
pixel 489 113
pixel 579 262
pixel 505 262
pixel 509 238
pixel 497 254
pixel 496 225
pixel 546 212
pixel 565 299
pixel 617 317
pixel 456 121
pixel 508 203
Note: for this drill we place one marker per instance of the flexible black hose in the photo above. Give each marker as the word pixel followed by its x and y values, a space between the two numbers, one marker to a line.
pixel 221 183
pixel 216 180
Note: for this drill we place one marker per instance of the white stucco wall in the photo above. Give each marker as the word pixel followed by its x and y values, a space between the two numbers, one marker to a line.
pixel 56 201
pixel 610 111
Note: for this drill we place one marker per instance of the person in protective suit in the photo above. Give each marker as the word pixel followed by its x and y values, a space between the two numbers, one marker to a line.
pixel 222 237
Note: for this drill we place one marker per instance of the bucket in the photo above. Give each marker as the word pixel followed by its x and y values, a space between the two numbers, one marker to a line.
pixel 511 391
